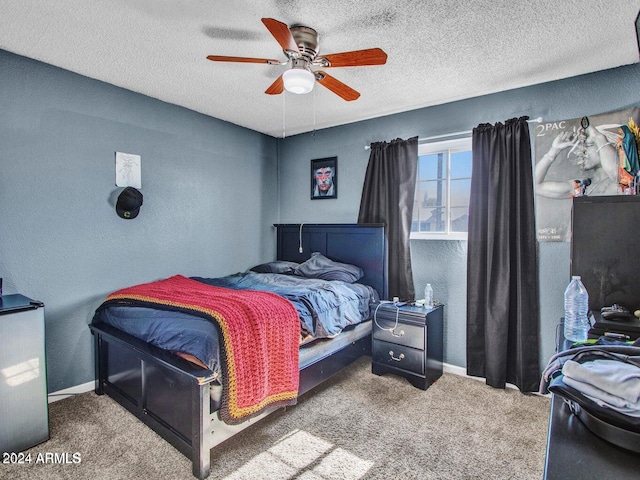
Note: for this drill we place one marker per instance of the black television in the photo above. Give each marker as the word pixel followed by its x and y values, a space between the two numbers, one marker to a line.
pixel 605 249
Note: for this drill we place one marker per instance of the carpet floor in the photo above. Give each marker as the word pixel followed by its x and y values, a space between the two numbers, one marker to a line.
pixel 355 426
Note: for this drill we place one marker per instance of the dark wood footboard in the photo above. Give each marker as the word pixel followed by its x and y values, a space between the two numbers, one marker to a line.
pixel 173 397
pixel 165 392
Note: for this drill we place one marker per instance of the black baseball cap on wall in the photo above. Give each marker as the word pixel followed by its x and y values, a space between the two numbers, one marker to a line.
pixel 129 202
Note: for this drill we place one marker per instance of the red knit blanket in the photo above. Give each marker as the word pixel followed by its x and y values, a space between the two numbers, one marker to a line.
pixel 260 336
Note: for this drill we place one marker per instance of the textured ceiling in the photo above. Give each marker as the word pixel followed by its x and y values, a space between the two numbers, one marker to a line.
pixel 438 51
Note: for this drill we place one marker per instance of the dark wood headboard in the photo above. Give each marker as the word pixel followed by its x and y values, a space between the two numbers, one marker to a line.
pixel 361 245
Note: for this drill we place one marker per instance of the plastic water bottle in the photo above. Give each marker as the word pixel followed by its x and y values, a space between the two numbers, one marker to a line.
pixel 576 309
pixel 428 296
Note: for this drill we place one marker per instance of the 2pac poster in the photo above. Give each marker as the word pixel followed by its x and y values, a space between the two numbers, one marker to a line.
pixel 574 156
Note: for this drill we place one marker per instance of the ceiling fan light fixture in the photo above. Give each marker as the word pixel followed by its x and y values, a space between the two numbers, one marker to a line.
pixel 298 80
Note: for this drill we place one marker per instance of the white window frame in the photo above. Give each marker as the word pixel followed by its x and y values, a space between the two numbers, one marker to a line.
pixel 440 147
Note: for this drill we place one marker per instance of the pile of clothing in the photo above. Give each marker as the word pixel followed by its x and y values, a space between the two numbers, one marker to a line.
pixel 610 383
pixel 601 385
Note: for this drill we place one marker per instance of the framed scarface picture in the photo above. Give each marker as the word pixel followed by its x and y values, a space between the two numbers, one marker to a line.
pixel 324 178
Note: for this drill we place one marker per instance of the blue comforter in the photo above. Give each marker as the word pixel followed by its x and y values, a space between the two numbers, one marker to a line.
pixel 325 309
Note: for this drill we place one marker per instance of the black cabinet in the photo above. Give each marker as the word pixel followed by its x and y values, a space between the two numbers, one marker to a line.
pixel 574 451
pixel 408 341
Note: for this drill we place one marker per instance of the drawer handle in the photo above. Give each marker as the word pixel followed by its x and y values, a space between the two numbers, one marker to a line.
pixel 398 358
pixel 399 334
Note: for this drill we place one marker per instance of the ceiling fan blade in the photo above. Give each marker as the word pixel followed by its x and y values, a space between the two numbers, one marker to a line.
pixel 336 86
pixel 223 58
pixel 276 87
pixel 357 58
pixel 281 33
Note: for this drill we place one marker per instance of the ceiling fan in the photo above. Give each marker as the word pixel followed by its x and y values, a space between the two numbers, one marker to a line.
pixel 300 45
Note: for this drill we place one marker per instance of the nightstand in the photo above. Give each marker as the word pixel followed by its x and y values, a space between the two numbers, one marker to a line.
pixel 408 341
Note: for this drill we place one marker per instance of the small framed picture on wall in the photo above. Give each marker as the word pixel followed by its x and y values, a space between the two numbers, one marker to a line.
pixel 324 178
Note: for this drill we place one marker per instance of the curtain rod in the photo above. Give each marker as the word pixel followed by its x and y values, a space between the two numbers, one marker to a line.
pixel 455 134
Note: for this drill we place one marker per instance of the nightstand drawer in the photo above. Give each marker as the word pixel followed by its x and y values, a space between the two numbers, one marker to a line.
pixel 398 356
pixel 403 334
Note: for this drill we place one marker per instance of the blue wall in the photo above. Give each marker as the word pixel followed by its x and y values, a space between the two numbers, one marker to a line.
pixel 443 263
pixel 208 193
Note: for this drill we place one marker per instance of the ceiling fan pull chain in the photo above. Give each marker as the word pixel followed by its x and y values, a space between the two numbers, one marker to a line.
pixel 284 115
pixel 313 135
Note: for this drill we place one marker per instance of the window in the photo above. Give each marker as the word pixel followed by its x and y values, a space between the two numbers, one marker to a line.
pixel 441 205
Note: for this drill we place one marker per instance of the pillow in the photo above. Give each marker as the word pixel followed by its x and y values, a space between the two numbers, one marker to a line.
pixel 319 266
pixel 279 266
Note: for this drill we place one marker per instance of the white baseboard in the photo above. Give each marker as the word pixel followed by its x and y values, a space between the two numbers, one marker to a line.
pixel 448 368
pixel 462 371
pixel 89 386
pixel 67 392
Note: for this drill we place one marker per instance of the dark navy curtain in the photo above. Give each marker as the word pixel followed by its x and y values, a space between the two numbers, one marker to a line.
pixel 502 265
pixel 387 197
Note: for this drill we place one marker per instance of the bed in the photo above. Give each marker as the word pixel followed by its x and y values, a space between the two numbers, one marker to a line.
pixel 180 400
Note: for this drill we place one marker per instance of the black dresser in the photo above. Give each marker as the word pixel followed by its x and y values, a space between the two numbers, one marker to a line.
pixel 574 451
pixel 408 341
